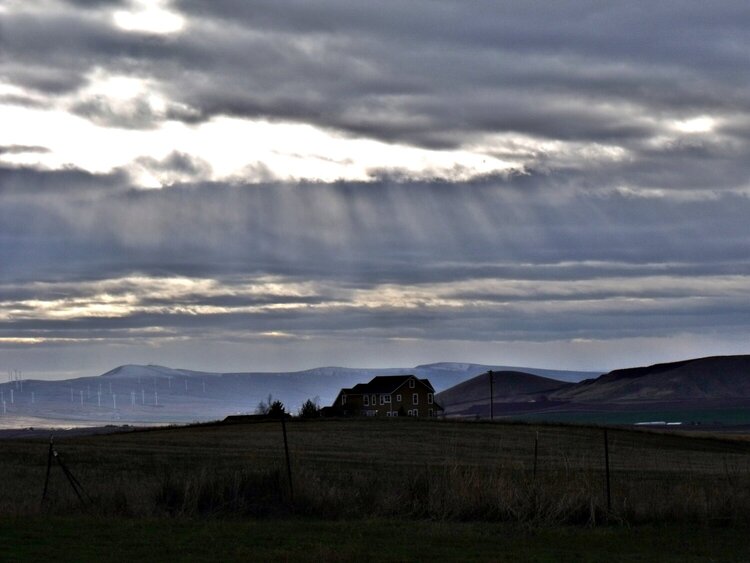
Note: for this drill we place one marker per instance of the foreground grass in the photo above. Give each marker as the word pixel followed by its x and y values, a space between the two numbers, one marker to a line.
pixel 122 539
pixel 380 469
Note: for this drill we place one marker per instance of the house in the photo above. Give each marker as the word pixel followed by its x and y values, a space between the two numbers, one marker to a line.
pixel 387 395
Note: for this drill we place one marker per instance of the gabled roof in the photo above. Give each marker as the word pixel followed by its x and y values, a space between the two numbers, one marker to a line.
pixel 385 384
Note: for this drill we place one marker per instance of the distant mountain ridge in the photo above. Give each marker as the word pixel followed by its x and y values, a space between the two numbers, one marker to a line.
pixel 154 393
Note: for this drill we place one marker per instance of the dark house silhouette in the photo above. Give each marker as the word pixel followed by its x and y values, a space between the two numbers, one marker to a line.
pixel 387 395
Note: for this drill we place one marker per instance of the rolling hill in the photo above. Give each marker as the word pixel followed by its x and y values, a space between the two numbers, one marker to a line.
pixel 510 389
pixel 711 378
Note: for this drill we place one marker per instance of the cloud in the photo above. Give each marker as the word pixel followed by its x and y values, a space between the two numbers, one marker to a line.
pixel 603 86
pixel 493 261
pixel 427 172
pixel 371 228
pixel 22 149
pixel 435 75
pixel 174 168
pixel 137 114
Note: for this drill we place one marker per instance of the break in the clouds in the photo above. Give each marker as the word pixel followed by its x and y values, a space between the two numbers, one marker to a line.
pixel 247 185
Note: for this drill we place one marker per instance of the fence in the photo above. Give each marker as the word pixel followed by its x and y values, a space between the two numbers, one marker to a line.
pixel 410 468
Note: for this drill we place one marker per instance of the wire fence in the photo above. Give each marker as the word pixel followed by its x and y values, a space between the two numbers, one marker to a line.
pixel 352 468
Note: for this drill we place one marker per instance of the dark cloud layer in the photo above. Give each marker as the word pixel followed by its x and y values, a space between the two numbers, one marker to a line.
pixel 427 73
pixel 306 227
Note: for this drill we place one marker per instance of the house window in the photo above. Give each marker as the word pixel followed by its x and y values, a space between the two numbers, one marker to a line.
pixel 366 400
pixel 416 412
pixel 387 399
pixel 394 413
pixel 373 402
pixel 429 398
pixel 382 399
pixel 398 398
pixel 411 383
pixel 415 399
pixel 430 412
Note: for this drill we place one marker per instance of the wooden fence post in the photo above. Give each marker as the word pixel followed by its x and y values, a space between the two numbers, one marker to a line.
pixel 49 466
pixel 492 395
pixel 606 470
pixel 74 483
pixel 288 462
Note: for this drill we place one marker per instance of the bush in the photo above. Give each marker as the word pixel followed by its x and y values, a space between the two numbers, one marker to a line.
pixel 233 493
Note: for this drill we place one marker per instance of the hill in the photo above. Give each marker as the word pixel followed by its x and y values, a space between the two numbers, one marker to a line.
pixel 711 378
pixel 511 390
pixel 472 370
pixel 712 391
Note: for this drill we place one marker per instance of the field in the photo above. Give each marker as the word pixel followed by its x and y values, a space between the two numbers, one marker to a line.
pixel 355 482
pixel 128 539
pixel 692 418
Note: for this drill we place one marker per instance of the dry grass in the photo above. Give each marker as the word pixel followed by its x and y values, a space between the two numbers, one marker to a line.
pixel 381 468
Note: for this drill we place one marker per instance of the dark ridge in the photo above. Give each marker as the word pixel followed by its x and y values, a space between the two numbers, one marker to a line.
pixel 633 373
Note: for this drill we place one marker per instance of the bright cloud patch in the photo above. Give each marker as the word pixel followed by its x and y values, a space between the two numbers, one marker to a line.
pixel 239 149
pixel 703 124
pixel 149 16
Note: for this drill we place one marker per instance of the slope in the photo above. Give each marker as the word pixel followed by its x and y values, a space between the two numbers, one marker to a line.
pixel 712 378
pixel 511 390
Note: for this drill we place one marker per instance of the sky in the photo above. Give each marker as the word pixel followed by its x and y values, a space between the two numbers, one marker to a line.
pixel 233 185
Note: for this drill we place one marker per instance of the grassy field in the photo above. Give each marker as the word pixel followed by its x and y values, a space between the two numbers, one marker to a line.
pixel 127 539
pixel 475 479
pixel 691 417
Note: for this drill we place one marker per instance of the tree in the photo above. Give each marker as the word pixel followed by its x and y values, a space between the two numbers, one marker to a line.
pixel 264 407
pixel 310 409
pixel 276 409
